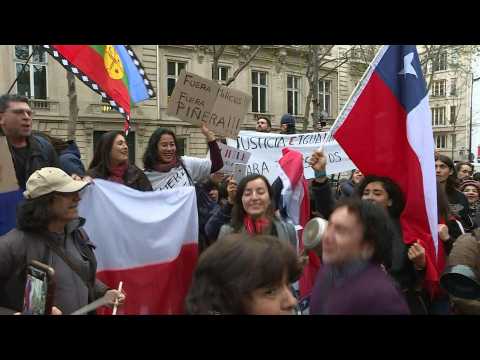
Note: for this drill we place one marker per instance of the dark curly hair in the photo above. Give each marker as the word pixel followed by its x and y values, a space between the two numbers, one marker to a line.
pixel 393 190
pixel 378 228
pixel 35 214
pixel 238 212
pixel 232 268
pixel 150 157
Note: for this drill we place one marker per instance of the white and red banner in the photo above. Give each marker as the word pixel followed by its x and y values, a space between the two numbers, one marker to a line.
pixel 266 151
pixel 390 110
pixel 148 240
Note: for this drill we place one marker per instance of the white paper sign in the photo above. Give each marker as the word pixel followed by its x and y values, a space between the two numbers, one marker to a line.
pixel 266 151
pixel 231 156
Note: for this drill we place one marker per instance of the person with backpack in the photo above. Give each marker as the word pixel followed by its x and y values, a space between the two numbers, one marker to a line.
pixel 166 169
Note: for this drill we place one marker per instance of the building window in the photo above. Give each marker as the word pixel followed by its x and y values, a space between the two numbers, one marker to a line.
pixel 181 142
pixel 293 94
pixel 259 91
pixel 441 141
pixel 453 87
pixel 438 116
pixel 173 71
pixel 453 137
pixel 32 82
pixel 324 95
pixel 222 73
pixel 440 63
pixel 453 114
pixel 439 88
pixel 97 134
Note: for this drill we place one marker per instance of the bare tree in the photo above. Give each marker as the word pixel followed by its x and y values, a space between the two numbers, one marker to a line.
pixel 73 106
pixel 320 64
pixel 218 50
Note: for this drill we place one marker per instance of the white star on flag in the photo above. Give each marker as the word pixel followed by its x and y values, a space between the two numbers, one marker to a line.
pixel 407 66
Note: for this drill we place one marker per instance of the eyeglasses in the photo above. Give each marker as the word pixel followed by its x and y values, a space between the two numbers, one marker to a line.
pixel 20 111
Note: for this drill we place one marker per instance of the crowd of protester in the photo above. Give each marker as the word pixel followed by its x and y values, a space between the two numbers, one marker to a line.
pixel 250 257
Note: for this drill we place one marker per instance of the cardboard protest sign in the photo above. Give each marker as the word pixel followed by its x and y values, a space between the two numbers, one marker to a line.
pixel 266 150
pixel 232 156
pixel 8 179
pixel 196 99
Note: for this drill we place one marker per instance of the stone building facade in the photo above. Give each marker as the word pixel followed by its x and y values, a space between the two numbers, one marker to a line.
pixel 275 79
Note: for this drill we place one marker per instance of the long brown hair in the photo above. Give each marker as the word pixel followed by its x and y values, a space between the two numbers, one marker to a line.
pixel 238 211
pixel 102 162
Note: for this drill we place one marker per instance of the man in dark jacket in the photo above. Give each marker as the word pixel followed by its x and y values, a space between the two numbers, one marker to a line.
pixel 29 153
pixel 49 230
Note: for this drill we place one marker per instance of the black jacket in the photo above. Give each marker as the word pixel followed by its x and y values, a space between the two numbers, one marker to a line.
pixel 42 154
pixel 18 248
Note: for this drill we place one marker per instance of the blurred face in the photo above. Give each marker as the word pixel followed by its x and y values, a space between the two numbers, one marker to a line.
pixel 465 171
pixel 357 176
pixel 119 152
pixel 375 192
pixel 283 128
pixel 167 151
pixel 213 194
pixel 471 192
pixel 255 198
pixel 262 125
pixel 64 206
pixel 16 120
pixel 272 300
pixel 343 239
pixel 442 171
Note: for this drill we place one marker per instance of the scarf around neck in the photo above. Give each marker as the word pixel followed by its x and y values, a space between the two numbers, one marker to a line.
pixel 117 173
pixel 166 167
pixel 257 226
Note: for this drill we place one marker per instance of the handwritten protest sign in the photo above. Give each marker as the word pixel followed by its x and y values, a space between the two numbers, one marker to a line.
pixel 8 179
pixel 266 150
pixel 196 99
pixel 231 156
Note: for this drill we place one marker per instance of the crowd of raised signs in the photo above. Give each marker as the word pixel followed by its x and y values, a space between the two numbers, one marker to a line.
pixel 252 259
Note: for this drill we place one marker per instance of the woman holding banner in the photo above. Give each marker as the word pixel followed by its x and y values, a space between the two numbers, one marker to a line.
pixel 110 162
pixel 167 170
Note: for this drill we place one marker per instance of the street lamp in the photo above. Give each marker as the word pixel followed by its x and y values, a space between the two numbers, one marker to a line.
pixel 471 116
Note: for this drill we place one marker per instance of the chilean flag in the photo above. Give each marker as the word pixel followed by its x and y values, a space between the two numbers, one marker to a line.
pixel 385 129
pixel 148 240
pixel 296 201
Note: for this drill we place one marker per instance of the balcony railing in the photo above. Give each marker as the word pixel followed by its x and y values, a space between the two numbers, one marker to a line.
pixel 41 106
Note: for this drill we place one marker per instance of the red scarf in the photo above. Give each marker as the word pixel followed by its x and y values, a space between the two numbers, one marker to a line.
pixel 257 226
pixel 166 167
pixel 118 172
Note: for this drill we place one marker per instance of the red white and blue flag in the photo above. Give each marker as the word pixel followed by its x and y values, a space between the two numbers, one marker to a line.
pixel 143 240
pixel 386 130
pixel 296 202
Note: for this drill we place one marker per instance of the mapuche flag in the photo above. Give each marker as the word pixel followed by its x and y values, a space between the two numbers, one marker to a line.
pixel 386 130
pixel 113 71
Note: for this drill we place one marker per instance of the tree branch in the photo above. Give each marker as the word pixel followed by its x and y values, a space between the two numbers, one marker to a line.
pixel 244 65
